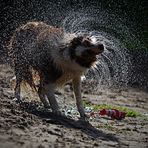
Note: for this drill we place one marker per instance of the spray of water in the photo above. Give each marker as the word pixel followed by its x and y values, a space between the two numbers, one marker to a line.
pixel 113 66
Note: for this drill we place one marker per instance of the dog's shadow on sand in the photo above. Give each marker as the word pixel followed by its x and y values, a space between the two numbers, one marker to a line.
pixel 51 118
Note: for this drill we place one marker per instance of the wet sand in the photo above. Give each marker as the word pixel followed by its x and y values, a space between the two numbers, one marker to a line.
pixel 30 126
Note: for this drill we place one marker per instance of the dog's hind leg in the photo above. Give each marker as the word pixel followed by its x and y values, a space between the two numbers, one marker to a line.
pixel 42 96
pixel 49 90
pixel 46 90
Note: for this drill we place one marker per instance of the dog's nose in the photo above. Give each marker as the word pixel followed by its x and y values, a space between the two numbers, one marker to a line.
pixel 101 47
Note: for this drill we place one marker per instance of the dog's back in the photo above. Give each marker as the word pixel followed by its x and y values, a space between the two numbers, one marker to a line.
pixel 31 41
pixel 31 48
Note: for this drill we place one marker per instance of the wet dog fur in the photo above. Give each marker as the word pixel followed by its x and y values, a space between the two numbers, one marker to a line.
pixel 55 57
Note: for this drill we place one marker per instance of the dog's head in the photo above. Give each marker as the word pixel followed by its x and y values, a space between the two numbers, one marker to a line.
pixel 84 51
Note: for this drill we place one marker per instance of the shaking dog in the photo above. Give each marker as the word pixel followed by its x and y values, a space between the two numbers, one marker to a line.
pixel 55 56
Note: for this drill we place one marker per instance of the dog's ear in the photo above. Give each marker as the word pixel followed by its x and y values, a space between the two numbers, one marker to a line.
pixel 76 41
pixel 86 42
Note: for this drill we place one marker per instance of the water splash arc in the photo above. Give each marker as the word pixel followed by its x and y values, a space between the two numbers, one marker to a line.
pixel 112 67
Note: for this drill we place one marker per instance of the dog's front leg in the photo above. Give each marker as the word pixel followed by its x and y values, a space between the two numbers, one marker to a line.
pixel 77 92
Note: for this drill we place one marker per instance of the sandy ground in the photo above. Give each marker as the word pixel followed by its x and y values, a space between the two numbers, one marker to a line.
pixel 28 125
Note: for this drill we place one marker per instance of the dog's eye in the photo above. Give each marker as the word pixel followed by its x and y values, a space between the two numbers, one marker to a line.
pixel 90 52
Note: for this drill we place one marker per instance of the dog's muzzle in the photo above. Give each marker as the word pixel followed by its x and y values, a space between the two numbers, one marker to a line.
pixel 97 49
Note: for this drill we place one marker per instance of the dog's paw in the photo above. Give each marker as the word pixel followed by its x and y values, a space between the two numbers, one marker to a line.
pixel 58 112
pixel 84 118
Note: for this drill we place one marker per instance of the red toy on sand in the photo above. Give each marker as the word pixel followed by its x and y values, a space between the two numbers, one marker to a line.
pixel 113 113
